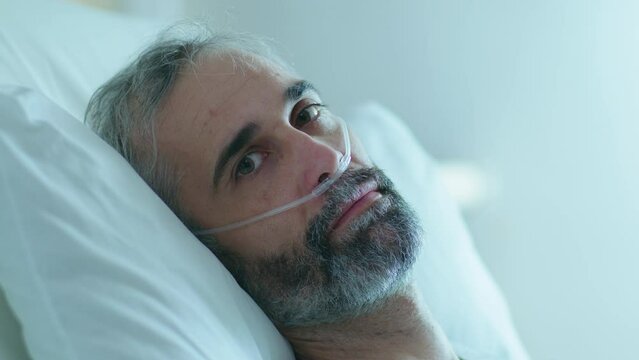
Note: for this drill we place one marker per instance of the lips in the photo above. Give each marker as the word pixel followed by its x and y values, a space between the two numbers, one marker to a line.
pixel 366 194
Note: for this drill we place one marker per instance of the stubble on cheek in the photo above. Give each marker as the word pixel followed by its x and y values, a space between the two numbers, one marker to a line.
pixel 296 271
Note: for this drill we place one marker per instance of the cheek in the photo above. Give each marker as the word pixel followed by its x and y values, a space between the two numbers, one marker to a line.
pixel 269 237
pixel 247 202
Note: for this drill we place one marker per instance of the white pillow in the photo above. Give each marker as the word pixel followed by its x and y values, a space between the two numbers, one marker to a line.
pixel 449 273
pixel 66 50
pixel 93 263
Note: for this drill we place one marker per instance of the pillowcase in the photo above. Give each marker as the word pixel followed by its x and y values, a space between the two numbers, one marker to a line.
pixel 95 266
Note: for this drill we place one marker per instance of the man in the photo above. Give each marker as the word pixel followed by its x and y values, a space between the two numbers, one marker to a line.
pixel 223 131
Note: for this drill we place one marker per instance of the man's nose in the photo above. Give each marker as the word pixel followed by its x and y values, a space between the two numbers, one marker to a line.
pixel 317 158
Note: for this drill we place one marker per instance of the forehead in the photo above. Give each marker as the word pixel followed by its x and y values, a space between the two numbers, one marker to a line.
pixel 216 95
pixel 222 83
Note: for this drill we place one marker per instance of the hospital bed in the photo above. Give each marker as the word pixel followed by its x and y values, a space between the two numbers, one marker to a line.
pixel 94 266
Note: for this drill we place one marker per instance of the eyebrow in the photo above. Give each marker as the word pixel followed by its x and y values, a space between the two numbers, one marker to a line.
pixel 295 91
pixel 243 137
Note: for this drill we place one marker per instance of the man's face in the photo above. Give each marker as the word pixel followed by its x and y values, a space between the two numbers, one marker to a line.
pixel 247 139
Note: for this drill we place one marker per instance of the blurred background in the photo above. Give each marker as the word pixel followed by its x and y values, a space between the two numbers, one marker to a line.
pixel 533 109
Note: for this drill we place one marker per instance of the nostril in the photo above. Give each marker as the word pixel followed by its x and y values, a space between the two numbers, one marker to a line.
pixel 323 178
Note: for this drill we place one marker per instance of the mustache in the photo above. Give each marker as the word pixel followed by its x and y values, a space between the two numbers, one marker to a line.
pixel 342 192
pixel 347 186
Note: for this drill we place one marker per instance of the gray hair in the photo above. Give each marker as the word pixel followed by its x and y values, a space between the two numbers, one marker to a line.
pixel 122 111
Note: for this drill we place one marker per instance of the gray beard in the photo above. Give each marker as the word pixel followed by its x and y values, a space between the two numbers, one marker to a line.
pixel 323 282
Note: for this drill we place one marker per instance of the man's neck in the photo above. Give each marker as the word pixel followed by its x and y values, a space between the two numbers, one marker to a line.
pixel 399 329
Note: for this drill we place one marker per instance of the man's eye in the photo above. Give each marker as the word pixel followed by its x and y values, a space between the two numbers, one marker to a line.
pixel 250 163
pixel 308 114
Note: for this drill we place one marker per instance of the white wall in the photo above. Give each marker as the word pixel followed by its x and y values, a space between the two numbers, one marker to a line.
pixel 543 95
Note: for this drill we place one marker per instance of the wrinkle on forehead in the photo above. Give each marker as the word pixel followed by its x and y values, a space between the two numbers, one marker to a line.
pixel 192 89
pixel 193 84
pixel 232 72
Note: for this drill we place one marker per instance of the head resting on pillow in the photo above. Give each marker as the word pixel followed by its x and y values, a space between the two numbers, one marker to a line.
pixel 222 129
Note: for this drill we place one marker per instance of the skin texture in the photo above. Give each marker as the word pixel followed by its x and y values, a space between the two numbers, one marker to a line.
pixel 297 258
